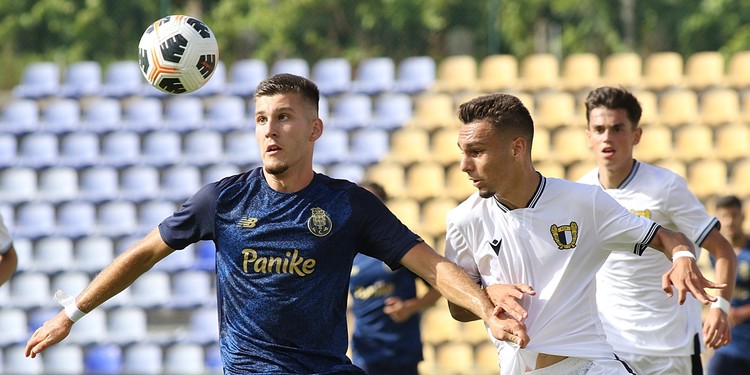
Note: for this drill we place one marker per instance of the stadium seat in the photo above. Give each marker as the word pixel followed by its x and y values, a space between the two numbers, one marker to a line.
pixel 738 76
pixel 391 111
pixel 18 184
pixel 434 215
pixel 93 253
pixel 486 358
pixel 347 171
pixel 296 66
pixel 733 142
pixel 142 359
pixel 550 168
pixel 674 165
pixel 104 359
pixel 30 289
pixel 70 282
pixel 374 75
pixel 456 73
pixel 8 150
pixel 16 362
pixel 410 145
pixel 142 114
pixel 541 144
pixel 82 78
pixel 707 178
pixel 719 106
pixel 13 325
pixel 38 80
pixel 152 289
pixel 54 254
pixel 90 329
pixel 98 184
pixel 183 113
pixel 407 210
pixel 123 78
pixel 214 363
pixel 241 148
pixel 162 148
pixel 678 107
pixel 739 183
pixel 139 183
pixel 432 111
pixel 623 69
pixel 225 113
pixel 425 180
pixel 79 149
pixel 244 76
pixel 704 70
pixel 202 147
pixel 121 148
pixel 580 71
pixel 38 150
pixel 192 289
pixel 332 147
pixel 539 72
pixel 205 256
pixel 438 326
pixel 178 260
pixel 557 108
pixel 569 145
pixel 20 116
pixel 58 184
pixel 415 74
pixel 117 218
pixel 184 359
pixel 61 115
pixel 693 142
pixel 655 144
pixel 454 357
pixel 101 115
pixel 216 172
pixel 457 184
pixel 127 325
pixel 351 111
pixel 390 175
pixel 35 219
pixel 39 315
pixel 204 326
pixel 25 252
pixel 332 75
pixel 151 213
pixel 663 70
pixel 578 169
pixel 443 146
pixel 498 72
pixel 179 182
pixel 216 85
pixel 649 107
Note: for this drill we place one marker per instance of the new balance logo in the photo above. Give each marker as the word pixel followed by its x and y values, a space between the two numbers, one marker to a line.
pixel 247 222
pixel 495 245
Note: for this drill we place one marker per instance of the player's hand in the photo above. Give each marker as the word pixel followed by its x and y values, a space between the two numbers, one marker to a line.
pixel 50 333
pixel 687 278
pixel 505 328
pixel 716 329
pixel 507 298
pixel 397 309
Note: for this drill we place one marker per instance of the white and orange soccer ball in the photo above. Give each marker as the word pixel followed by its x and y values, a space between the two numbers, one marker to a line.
pixel 178 54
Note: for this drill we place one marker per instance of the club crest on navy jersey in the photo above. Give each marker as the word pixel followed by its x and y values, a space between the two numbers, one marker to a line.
pixel 319 223
pixel 565 236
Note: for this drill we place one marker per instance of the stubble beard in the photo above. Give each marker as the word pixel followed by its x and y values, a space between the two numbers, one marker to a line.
pixel 276 169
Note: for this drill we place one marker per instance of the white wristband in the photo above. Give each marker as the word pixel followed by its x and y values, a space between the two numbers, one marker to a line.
pixel 721 303
pixel 683 254
pixel 71 310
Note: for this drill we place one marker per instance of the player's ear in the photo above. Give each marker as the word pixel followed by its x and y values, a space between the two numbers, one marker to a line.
pixel 317 130
pixel 637 133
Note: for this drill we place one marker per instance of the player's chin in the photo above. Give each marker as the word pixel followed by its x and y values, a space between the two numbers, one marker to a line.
pixel 276 168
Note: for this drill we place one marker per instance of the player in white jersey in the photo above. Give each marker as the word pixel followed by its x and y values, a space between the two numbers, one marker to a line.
pixel 522 231
pixel 8 257
pixel 653 333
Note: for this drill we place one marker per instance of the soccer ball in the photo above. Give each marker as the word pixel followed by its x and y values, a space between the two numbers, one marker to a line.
pixel 178 54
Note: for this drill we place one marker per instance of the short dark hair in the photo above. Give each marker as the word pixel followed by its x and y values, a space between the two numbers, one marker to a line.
pixel 728 201
pixel 377 189
pixel 614 98
pixel 504 111
pixel 286 83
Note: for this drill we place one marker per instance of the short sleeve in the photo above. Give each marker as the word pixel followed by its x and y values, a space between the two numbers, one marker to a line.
pixel 192 222
pixel 620 229
pixel 687 213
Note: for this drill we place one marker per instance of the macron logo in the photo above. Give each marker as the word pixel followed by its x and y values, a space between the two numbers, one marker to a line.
pixel 495 244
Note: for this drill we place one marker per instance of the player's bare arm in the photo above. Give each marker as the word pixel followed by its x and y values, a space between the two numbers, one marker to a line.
pixel 8 265
pixel 684 274
pixel 716 326
pixel 117 276
pixel 459 289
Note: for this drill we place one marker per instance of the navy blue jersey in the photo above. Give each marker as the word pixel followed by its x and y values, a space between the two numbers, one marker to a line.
pixel 377 339
pixel 282 266
pixel 739 346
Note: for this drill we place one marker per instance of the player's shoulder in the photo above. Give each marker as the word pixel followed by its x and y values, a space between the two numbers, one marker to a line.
pixel 591 177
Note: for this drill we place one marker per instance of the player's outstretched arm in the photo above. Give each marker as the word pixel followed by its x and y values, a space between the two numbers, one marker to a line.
pixel 117 276
pixel 684 274
pixel 8 265
pixel 458 288
pixel 716 325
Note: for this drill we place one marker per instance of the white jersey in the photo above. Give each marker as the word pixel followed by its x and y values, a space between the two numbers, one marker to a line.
pixel 5 240
pixel 556 244
pixel 637 315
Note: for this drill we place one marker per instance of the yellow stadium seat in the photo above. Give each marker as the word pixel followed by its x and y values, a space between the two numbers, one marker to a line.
pixel 569 145
pixel 740 180
pixel 555 109
pixel 581 71
pixel 438 326
pixel 678 107
pixel 676 166
pixel 474 333
pixel 433 110
pixel 409 145
pixel 550 168
pixel 704 70
pixel 649 108
pixel 707 178
pixel 720 106
pixel 444 146
pixel 540 147
pixel 692 142
pixel 434 214
pixel 539 71
pixel 738 75
pixel 498 72
pixel 579 169
pixel 486 358
pixel 458 185
pixel 425 180
pixel 456 73
pixel 655 144
pixel 406 210
pixel 455 358
pixel 623 69
pixel 391 175
pixel 733 142
pixel 663 70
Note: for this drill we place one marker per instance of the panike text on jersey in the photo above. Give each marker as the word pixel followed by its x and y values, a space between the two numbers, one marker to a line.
pixel 555 244
pixel 637 316
pixel 6 241
pixel 377 339
pixel 282 266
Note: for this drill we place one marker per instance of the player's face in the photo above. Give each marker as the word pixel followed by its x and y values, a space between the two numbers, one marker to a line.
pixel 612 137
pixel 286 127
pixel 486 158
pixel 731 219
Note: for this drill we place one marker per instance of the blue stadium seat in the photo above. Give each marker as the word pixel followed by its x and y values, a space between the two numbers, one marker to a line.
pixel 214 363
pixel 18 184
pixel 183 113
pixel 20 116
pixel 415 74
pixel 61 115
pixel 82 78
pixel 162 148
pixel 15 362
pixel 123 78
pixel 204 326
pixel 8 150
pixel 241 148
pixel 101 115
pixel 35 219
pixel 205 256
pixel 202 147
pixel 180 182
pixel 332 75
pixel 63 359
pixel 192 288
pixel 117 218
pixel 294 66
pixel 127 325
pixel 151 213
pixel 348 171
pixel 142 114
pixel 99 184
pixel 90 329
pixel 142 359
pixel 177 260
pixel 70 282
pixel 351 111
pixel 225 113
pixel 76 219
pixel 79 149
pixel 323 110
pixel 104 359
pixel 184 359
pixel 120 148
pixel 369 145
pixel 244 76
pixel 152 289
pixel 14 326
pixel 332 147
pixel 38 80
pixel 57 184
pixel 25 252
pixel 216 84
pixel 392 111
pixel 374 75
pixel 54 254
pixel 218 171
pixel 30 289
pixel 39 150
pixel 139 183
pixel 93 253
pixel 39 315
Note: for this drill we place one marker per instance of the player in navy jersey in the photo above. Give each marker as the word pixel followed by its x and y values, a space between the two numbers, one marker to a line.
pixel 285 240
pixel 386 339
pixel 734 358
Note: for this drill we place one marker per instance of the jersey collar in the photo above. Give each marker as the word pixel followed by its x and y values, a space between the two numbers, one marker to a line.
pixel 626 181
pixel 534 198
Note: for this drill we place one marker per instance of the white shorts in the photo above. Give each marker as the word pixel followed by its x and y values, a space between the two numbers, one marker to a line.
pixel 643 364
pixel 579 366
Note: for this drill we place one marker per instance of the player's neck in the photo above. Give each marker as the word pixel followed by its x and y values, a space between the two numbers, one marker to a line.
pixel 610 177
pixel 289 181
pixel 526 187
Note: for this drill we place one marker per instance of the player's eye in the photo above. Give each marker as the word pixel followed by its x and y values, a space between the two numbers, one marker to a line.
pixel 260 120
